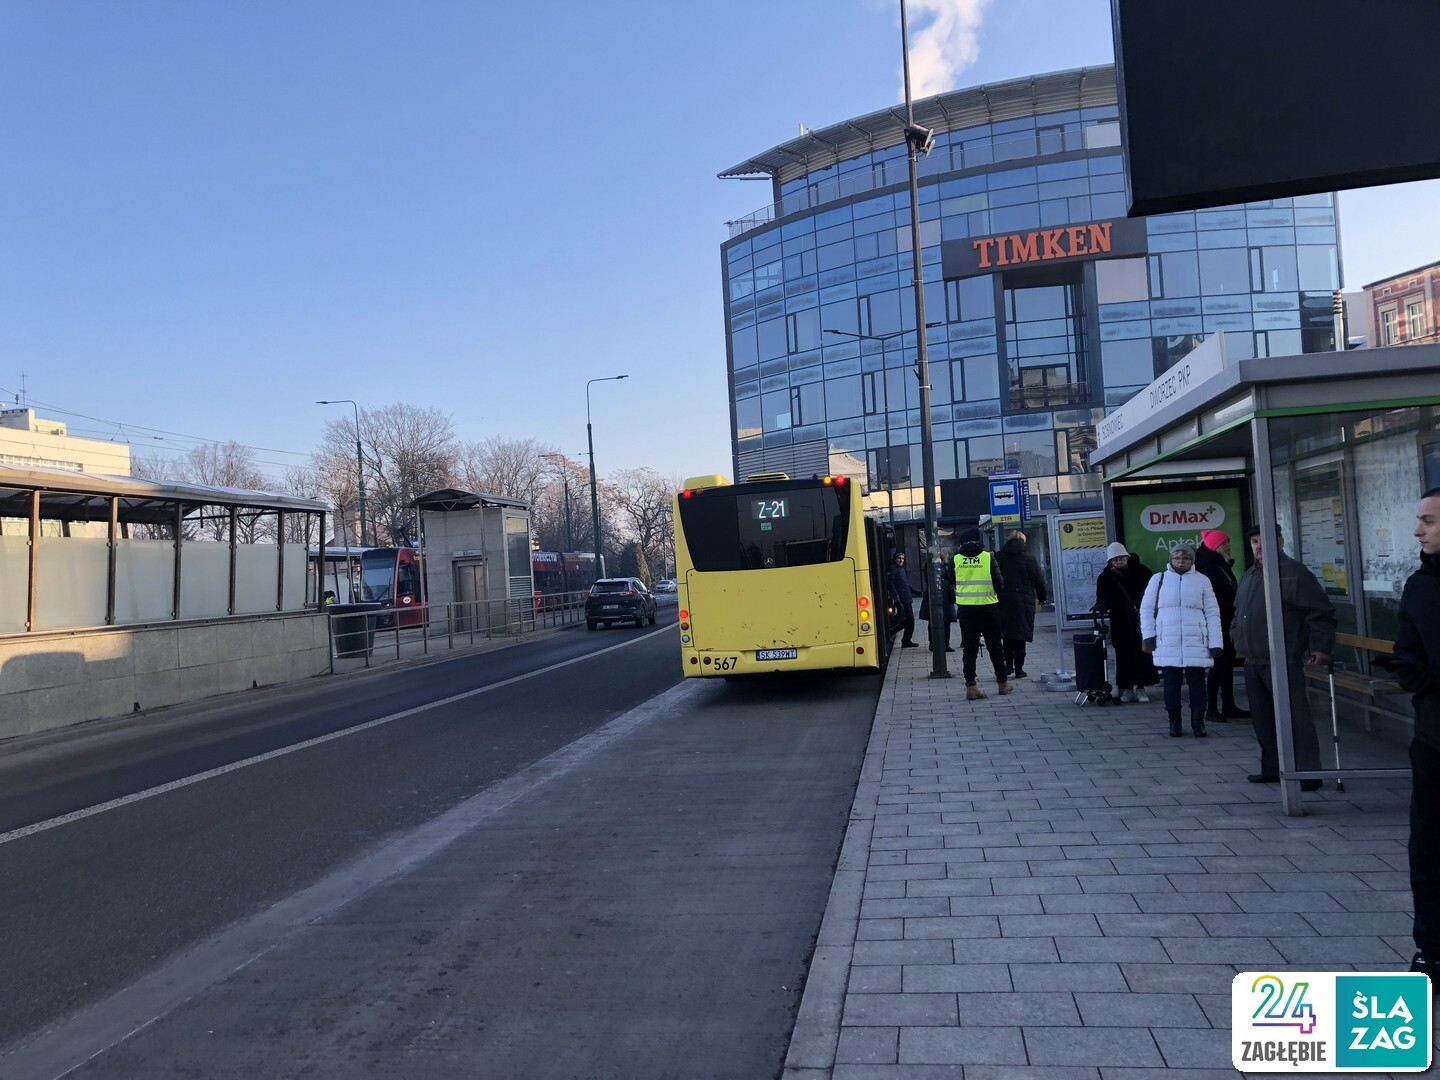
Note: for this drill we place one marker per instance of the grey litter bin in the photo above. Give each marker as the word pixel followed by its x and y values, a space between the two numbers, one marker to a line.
pixel 352 628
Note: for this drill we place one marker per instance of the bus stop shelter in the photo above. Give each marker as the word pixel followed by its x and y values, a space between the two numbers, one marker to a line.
pixel 1335 449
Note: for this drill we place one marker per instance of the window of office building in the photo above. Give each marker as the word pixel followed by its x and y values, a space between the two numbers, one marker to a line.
pixel 1045 346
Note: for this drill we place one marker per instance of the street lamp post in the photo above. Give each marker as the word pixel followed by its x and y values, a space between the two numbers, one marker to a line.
pixel 919 139
pixel 884 340
pixel 594 496
pixel 359 464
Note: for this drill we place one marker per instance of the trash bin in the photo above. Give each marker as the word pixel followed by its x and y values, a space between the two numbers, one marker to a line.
pixel 352 629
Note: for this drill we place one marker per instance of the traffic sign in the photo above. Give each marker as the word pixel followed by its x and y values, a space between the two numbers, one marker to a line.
pixel 1005 502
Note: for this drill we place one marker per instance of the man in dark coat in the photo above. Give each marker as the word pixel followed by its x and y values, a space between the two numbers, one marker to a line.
pixel 1417 656
pixel 1023 591
pixel 904 598
pixel 1213 559
pixel 1309 621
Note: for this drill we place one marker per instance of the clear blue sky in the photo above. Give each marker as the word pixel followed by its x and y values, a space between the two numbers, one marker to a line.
pixel 216 213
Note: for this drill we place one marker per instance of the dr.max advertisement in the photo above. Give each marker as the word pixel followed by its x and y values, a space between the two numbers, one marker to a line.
pixel 1154 518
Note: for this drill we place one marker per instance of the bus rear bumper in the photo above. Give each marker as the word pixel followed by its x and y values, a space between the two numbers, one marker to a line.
pixel 714 663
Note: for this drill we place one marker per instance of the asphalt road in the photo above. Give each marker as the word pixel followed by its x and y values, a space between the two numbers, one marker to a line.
pixel 585 871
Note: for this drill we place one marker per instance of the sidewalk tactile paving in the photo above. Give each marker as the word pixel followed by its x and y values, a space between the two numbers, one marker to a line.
pixel 1055 891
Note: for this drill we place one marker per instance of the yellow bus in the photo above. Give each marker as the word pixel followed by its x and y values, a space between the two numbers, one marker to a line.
pixel 776 574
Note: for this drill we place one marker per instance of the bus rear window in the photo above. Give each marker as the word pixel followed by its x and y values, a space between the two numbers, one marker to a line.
pixel 758 529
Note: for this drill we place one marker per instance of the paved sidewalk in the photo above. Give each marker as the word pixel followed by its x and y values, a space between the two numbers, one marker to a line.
pixel 1031 888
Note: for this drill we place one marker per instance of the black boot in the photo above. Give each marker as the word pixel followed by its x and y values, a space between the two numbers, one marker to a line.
pixel 1215 712
pixel 1175 731
pixel 1197 723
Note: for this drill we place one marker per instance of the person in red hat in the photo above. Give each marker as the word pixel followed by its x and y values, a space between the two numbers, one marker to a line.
pixel 1214 560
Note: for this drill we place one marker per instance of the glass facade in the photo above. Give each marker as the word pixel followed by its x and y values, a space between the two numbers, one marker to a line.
pixel 1053 309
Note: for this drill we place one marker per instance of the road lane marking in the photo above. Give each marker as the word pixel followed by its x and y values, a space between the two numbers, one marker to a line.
pixel 173 785
pixel 62 1048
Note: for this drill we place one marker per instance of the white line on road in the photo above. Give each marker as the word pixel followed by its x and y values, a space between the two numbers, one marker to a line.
pixel 161 789
pixel 62 1049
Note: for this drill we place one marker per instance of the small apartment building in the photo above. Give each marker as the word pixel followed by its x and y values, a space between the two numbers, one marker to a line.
pixel 29 441
pixel 1402 309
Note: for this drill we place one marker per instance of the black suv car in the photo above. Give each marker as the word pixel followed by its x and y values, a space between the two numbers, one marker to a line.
pixel 615 599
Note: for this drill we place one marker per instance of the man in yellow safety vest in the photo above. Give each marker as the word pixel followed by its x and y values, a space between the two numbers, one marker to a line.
pixel 977 598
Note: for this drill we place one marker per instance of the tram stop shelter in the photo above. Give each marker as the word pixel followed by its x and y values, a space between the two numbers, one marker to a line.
pixel 1335 449
pixel 120 594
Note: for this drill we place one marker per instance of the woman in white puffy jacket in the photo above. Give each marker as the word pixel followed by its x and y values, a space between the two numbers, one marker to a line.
pixel 1180 627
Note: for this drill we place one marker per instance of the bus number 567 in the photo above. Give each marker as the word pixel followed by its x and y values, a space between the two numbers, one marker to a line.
pixel 727 663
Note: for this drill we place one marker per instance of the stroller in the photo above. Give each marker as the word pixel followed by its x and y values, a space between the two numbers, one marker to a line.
pixel 1092 684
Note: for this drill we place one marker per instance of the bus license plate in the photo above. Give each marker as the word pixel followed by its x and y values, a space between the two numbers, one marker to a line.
pixel 775 654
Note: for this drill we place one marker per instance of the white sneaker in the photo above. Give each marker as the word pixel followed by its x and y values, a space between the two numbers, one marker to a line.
pixel 1140 696
pixel 1127 695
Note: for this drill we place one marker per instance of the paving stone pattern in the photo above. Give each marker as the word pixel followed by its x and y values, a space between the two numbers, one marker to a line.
pixel 1034 888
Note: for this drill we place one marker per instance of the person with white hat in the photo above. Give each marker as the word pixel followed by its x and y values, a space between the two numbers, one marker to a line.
pixel 1114 596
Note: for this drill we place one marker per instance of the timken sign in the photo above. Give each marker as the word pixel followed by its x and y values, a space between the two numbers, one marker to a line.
pixel 1102 239
pixel 1045 245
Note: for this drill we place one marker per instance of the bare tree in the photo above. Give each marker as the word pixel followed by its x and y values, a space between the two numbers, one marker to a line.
pixel 555 525
pixel 514 468
pixel 407 450
pixel 642 504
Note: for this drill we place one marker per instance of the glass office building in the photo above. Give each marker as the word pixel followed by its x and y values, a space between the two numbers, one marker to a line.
pixel 1044 304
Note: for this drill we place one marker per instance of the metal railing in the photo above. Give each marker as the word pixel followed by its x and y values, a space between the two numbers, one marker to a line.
pixel 378 632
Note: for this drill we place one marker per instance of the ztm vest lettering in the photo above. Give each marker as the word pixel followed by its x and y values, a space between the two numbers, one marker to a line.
pixel 973 584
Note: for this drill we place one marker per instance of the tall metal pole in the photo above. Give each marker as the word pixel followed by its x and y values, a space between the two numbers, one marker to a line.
pixel 918 139
pixel 564 464
pixel 594 494
pixel 569 532
pixel 359 463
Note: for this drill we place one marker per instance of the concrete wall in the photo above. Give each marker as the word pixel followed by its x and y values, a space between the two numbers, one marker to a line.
pixel 52 680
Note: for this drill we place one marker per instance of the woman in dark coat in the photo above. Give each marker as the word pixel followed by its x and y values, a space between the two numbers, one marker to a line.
pixel 1024 590
pixel 1117 594
pixel 1212 558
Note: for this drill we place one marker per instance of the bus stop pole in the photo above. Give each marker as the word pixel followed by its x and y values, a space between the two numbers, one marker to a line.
pixel 921 139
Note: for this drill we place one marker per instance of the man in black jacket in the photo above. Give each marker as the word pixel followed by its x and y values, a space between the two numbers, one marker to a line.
pixel 904 598
pixel 1417 663
pixel 1309 621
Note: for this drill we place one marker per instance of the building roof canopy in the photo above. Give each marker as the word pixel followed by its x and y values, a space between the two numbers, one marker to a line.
pixel 1081 88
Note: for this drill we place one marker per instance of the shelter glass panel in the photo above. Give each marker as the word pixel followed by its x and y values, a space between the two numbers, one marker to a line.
pixel 1347 485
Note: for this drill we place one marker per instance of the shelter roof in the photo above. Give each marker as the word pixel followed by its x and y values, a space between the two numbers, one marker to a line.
pixel 446 500
pixel 81 496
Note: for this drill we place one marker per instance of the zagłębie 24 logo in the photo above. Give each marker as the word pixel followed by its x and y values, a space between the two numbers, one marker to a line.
pixel 1326 1022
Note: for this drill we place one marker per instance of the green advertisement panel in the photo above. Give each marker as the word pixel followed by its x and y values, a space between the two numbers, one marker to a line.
pixel 1154 518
